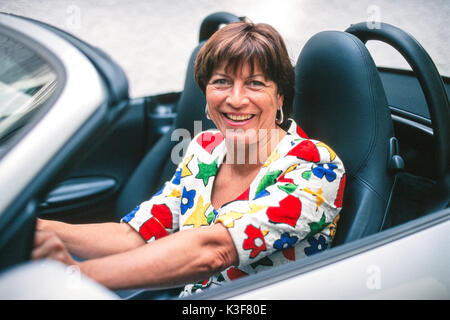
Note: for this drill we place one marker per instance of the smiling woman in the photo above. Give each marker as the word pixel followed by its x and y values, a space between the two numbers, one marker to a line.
pixel 85 160
pixel 284 208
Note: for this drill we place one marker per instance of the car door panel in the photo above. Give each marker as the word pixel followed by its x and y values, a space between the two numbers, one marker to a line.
pixel 43 151
pixel 104 164
pixel 413 129
pixel 17 236
pixel 411 118
pixel 77 190
pixel 86 192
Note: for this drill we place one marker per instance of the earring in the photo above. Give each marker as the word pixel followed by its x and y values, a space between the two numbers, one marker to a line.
pixel 280 120
pixel 206 112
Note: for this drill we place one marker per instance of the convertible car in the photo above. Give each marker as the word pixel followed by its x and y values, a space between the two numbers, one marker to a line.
pixel 75 147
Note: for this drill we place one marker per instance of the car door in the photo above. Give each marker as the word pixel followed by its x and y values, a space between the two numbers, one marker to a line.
pixel 88 191
pixel 60 98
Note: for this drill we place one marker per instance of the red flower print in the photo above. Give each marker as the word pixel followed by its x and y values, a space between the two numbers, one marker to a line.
pixel 209 140
pixel 156 225
pixel 255 241
pixel 305 150
pixel 234 273
pixel 301 133
pixel 282 178
pixel 163 214
pixel 289 253
pixel 340 194
pixel 288 212
pixel 244 195
pixel 152 228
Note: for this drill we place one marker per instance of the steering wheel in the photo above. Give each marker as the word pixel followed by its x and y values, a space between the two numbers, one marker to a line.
pixel 434 92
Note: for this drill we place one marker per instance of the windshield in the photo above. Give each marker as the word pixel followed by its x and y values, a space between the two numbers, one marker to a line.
pixel 26 82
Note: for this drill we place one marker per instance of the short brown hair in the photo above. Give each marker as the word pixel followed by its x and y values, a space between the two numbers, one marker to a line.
pixel 245 42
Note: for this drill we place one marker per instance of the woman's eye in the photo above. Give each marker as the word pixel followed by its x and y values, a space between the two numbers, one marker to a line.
pixel 257 84
pixel 220 82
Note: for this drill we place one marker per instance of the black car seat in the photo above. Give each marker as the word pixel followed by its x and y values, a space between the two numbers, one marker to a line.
pixel 340 100
pixel 157 167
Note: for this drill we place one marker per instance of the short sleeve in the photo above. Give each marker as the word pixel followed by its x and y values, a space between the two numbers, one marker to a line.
pixel 164 212
pixel 159 216
pixel 293 201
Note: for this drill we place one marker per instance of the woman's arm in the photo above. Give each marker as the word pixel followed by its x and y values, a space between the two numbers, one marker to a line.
pixel 88 240
pixel 175 260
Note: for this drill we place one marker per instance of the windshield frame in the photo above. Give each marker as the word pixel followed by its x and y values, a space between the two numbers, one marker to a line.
pixel 55 64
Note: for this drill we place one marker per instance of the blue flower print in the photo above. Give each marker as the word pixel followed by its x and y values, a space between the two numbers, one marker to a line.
pixel 177 177
pixel 321 171
pixel 261 194
pixel 285 241
pixel 316 245
pixel 187 200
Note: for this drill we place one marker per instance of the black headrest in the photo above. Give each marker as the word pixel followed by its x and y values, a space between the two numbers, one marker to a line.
pixel 340 100
pixel 191 106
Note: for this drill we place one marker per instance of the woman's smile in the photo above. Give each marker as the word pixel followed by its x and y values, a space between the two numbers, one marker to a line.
pixel 236 119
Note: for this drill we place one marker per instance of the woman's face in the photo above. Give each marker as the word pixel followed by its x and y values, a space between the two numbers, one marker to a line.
pixel 243 105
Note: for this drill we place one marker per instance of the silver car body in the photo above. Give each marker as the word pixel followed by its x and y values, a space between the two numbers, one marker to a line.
pixel 410 261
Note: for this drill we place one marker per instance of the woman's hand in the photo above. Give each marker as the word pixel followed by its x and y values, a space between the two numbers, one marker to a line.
pixel 47 245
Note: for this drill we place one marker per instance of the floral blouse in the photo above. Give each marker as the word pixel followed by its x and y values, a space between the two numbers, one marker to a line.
pixel 289 211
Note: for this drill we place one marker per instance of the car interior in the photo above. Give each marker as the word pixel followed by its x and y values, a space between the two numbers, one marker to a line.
pixel 390 128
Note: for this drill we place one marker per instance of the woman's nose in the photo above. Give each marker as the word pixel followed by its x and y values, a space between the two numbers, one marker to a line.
pixel 237 96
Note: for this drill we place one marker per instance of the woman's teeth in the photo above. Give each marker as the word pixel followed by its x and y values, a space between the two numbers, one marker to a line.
pixel 238 117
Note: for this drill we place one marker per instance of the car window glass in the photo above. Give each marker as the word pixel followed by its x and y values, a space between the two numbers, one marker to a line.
pixel 26 83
